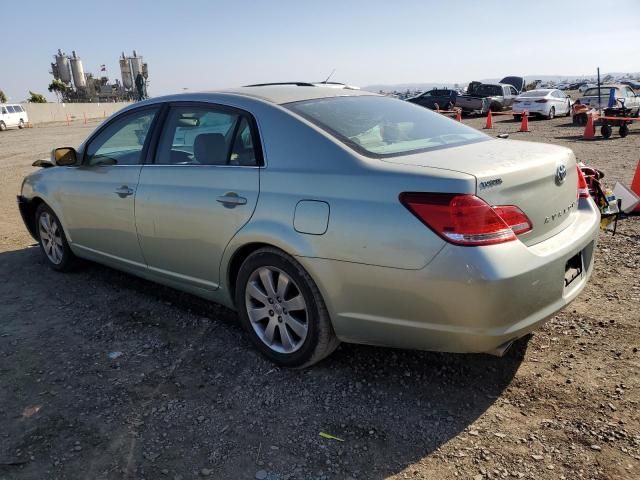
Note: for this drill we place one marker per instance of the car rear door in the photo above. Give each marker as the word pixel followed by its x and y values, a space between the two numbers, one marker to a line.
pixel 97 197
pixel 201 188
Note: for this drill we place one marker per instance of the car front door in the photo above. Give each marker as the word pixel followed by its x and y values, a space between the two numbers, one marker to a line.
pixel 201 188
pixel 97 197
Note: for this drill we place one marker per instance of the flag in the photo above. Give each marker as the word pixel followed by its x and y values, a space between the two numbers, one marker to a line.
pixel 103 68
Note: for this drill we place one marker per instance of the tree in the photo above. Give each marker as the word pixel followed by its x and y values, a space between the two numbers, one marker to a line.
pixel 58 87
pixel 36 97
pixel 3 97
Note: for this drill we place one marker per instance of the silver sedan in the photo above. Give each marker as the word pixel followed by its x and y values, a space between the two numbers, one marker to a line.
pixel 324 215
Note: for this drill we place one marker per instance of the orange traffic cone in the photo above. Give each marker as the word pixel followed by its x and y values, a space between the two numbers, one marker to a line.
pixel 524 126
pixel 589 129
pixel 489 123
pixel 635 185
pixel 458 115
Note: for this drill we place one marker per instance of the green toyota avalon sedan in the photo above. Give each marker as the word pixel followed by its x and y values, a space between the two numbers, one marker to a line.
pixel 324 215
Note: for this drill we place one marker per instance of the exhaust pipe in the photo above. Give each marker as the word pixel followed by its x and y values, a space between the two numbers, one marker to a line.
pixel 500 350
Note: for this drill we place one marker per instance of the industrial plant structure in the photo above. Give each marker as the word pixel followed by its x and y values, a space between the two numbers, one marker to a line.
pixel 83 87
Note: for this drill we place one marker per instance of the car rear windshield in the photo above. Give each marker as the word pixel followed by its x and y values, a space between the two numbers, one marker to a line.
pixel 593 92
pixel 488 90
pixel 535 93
pixel 385 127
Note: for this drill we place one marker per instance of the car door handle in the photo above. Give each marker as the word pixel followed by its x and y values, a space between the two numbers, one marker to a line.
pixel 124 191
pixel 231 199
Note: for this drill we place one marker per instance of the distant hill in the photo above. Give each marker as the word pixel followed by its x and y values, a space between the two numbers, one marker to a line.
pixel 420 86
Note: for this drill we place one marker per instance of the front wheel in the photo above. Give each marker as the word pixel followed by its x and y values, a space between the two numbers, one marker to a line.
pixel 282 310
pixel 3 126
pixel 552 113
pixel 52 240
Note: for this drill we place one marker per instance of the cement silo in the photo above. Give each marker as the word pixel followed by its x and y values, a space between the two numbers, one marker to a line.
pixel 78 71
pixel 136 65
pixel 125 71
pixel 64 69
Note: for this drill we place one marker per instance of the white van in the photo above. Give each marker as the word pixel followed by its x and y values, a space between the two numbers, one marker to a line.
pixel 12 115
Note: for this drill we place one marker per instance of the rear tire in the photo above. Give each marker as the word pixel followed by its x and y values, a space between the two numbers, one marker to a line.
pixel 606 131
pixel 552 113
pixel 21 124
pixel 52 240
pixel 270 286
pixel 568 114
pixel 624 130
pixel 517 118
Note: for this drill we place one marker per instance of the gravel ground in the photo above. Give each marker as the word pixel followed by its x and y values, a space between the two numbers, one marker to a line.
pixel 104 375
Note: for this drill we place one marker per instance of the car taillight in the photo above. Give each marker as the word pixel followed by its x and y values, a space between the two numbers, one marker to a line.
pixel 464 219
pixel 583 188
pixel 544 100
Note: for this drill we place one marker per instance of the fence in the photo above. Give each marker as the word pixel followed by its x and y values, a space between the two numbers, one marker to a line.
pixel 65 112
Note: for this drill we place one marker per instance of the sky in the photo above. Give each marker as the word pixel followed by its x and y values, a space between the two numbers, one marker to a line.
pixel 204 45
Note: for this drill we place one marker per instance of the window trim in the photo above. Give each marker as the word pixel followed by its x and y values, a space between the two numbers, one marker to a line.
pixel 253 125
pixel 147 142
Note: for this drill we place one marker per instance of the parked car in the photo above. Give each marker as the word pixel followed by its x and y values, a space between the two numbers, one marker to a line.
pixel 445 98
pixel 482 97
pixel 635 84
pixel 622 92
pixel 324 215
pixel 543 102
pixel 585 86
pixel 518 83
pixel 12 115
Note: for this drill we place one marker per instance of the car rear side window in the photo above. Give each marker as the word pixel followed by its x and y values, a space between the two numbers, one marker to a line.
pixel 379 126
pixel 11 109
pixel 122 141
pixel 206 136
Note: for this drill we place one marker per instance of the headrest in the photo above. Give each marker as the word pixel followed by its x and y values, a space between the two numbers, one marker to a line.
pixel 210 149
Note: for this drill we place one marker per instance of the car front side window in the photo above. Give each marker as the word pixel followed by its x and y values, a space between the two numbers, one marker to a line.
pixel 122 141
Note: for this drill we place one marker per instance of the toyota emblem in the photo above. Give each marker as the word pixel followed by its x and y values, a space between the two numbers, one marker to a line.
pixel 561 174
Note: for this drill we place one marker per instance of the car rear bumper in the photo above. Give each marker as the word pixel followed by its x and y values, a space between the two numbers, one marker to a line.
pixel 466 299
pixel 536 108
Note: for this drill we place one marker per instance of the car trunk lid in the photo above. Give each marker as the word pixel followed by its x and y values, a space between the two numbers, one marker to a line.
pixel 538 178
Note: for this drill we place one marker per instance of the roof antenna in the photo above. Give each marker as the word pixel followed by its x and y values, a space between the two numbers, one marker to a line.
pixel 330 75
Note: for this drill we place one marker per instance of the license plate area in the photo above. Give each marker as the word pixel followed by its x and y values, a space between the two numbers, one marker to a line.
pixel 573 269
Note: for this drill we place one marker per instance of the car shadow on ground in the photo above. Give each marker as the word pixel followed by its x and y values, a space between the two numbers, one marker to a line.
pixel 184 390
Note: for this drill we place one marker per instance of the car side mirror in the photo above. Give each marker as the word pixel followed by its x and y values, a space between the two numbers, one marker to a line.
pixel 64 156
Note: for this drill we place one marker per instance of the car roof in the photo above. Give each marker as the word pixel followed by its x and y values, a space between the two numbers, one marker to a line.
pixel 281 94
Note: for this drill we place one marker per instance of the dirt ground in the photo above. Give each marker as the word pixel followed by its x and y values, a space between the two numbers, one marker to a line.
pixel 189 398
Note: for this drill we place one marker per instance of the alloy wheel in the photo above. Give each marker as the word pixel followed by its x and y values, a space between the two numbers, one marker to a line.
pixel 50 237
pixel 277 309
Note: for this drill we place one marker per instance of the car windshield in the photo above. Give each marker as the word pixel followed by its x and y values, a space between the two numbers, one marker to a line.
pixel 535 93
pixel 593 92
pixel 383 127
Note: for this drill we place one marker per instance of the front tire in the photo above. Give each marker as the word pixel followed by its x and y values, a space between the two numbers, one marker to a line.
pixel 3 126
pixel 282 310
pixel 52 240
